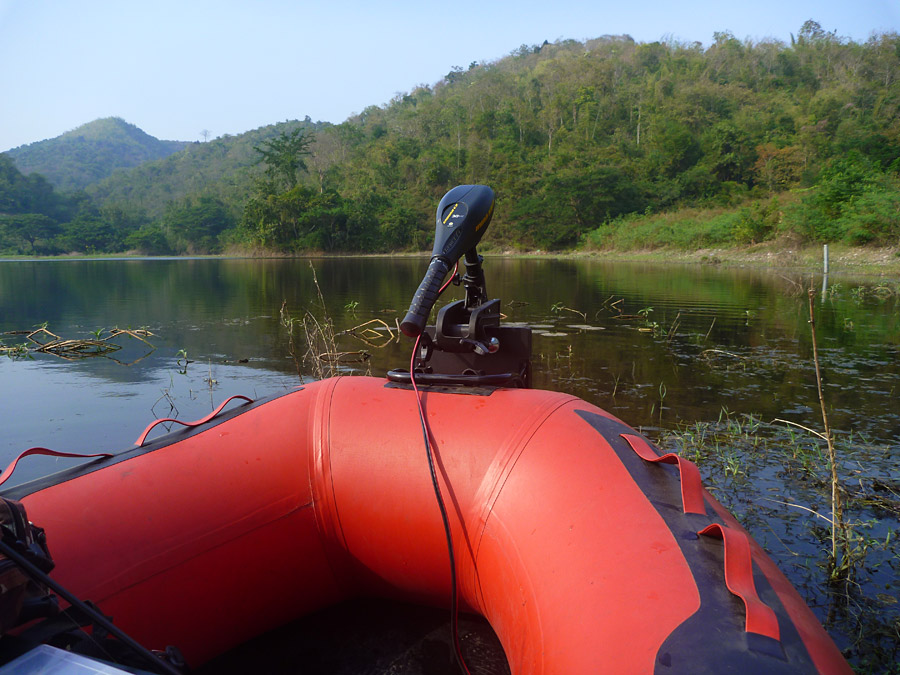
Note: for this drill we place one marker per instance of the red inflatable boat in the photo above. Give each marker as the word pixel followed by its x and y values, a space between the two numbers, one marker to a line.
pixel 585 549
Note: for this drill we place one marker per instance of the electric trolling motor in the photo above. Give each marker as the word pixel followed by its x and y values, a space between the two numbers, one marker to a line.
pixel 467 346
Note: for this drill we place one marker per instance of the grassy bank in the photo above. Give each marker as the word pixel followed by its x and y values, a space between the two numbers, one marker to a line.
pixel 861 225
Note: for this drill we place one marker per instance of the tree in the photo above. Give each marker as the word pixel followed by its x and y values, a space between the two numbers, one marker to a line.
pixel 91 234
pixel 196 224
pixel 275 220
pixel 30 226
pixel 149 240
pixel 283 157
pixel 778 168
pixel 727 152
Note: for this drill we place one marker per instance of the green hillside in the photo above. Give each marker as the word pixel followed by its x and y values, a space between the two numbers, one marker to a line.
pixel 90 153
pixel 603 143
pixel 575 135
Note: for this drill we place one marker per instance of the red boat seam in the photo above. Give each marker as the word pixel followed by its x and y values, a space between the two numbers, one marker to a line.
pixel 161 563
pixel 691 485
pixel 761 618
pixel 495 477
pixel 43 451
pixel 321 479
pixel 143 437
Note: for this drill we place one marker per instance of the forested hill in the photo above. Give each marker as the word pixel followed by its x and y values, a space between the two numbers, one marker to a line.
pixel 91 152
pixel 574 134
pixel 581 141
pixel 224 168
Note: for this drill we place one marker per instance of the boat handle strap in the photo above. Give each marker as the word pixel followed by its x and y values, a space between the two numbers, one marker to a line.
pixel 691 485
pixel 761 618
pixel 44 451
pixel 143 437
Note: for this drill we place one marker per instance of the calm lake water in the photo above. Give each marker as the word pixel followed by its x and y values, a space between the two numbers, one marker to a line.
pixel 661 346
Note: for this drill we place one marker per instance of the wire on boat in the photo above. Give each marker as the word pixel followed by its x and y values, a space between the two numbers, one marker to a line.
pixel 429 449
pixel 95 616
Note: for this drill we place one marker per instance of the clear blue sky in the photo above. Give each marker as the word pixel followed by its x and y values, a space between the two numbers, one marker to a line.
pixel 175 68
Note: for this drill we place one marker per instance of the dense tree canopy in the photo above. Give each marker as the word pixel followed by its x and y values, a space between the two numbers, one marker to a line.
pixel 577 138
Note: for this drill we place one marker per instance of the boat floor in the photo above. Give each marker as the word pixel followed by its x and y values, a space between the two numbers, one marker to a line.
pixel 367 637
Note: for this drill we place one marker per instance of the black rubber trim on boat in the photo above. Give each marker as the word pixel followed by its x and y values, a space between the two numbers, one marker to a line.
pixel 713 639
pixel 466 380
pixel 445 389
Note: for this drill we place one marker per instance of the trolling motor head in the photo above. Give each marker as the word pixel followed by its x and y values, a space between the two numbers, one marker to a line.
pixel 461 220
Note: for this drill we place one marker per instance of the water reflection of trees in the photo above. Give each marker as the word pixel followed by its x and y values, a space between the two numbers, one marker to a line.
pixel 226 310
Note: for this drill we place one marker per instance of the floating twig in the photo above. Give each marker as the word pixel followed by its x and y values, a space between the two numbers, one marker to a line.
pixel 805 508
pixel 371 336
pixel 559 307
pixel 794 424
pixel 345 357
pixel 705 352
pixel 44 341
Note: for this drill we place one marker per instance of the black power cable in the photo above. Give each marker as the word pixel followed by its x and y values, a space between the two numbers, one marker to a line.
pixel 454 601
pixel 96 617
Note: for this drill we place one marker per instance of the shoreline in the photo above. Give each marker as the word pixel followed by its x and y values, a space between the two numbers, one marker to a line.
pixel 882 263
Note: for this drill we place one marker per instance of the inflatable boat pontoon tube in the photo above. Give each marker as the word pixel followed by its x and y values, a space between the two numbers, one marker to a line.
pixel 575 540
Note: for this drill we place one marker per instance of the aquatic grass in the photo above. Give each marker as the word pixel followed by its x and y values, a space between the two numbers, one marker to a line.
pixel 616 379
pixel 662 397
pixel 321 355
pixel 18 351
pixel 673 328
pixel 182 361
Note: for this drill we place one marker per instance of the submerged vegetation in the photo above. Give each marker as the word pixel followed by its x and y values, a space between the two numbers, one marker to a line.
pixel 603 143
pixel 824 504
pixel 777 481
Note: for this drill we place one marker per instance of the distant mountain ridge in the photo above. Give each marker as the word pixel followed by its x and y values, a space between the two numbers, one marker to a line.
pixel 225 168
pixel 91 152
